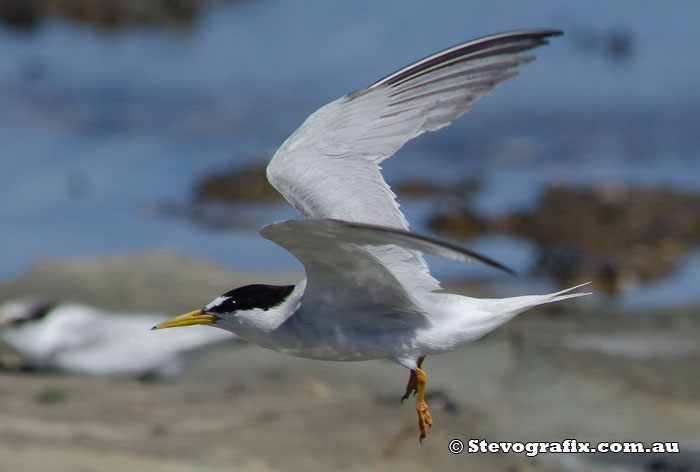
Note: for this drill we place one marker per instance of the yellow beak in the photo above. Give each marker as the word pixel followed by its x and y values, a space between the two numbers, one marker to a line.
pixel 188 319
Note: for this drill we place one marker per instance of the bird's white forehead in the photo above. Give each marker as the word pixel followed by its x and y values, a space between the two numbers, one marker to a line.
pixel 216 302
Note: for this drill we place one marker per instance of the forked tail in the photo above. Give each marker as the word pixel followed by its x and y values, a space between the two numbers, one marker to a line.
pixel 517 305
pixel 474 317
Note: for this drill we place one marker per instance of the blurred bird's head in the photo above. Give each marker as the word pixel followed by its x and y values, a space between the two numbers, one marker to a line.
pixel 19 312
pixel 240 305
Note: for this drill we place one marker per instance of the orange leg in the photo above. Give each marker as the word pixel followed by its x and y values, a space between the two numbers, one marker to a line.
pixel 416 384
pixel 424 418
pixel 412 386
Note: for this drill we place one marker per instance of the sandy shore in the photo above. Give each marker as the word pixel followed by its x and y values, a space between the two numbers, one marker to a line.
pixel 590 375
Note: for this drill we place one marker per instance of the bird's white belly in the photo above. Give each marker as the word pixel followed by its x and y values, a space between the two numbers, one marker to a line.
pixel 340 347
pixel 334 337
pixel 357 342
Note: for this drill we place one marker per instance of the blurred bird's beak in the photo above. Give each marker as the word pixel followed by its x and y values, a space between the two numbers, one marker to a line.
pixel 188 319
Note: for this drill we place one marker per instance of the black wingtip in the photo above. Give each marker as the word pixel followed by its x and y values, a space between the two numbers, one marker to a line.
pixel 494 264
pixel 476 256
pixel 552 33
pixel 509 271
pixel 545 32
pixel 507 42
pixel 537 32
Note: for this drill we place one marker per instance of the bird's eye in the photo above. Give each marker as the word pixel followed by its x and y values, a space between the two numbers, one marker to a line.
pixel 222 305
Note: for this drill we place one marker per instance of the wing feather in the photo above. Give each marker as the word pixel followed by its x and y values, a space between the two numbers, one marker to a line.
pixel 338 271
pixel 329 167
pixel 336 258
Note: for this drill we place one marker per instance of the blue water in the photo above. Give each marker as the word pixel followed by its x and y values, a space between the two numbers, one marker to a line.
pixel 99 129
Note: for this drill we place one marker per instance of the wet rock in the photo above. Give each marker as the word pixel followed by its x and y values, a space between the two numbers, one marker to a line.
pixel 614 232
pixel 227 199
pixel 248 184
pixel 568 263
pixel 417 188
pixel 21 14
pixel 616 236
pixel 460 222
pixel 109 14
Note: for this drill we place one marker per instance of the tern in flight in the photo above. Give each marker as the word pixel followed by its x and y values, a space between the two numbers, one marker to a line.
pixel 368 292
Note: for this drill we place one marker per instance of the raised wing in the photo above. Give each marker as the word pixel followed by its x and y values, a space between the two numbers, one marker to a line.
pixel 340 268
pixel 329 167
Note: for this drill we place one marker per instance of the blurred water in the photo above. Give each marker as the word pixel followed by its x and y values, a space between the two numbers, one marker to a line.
pixel 98 128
